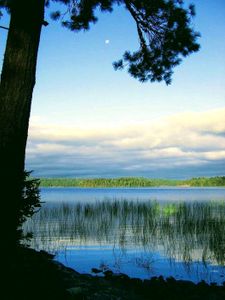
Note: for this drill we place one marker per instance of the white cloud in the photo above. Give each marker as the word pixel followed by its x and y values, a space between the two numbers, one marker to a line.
pixel 181 140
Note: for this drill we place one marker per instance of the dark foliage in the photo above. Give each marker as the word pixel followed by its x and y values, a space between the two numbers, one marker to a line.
pixel 164 29
pixel 29 204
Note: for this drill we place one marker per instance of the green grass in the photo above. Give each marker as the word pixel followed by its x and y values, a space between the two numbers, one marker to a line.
pixel 130 182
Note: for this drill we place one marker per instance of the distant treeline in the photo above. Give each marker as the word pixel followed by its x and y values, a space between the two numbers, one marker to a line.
pixel 130 182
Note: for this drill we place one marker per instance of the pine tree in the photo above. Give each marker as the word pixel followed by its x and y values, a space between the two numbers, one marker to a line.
pixel 165 36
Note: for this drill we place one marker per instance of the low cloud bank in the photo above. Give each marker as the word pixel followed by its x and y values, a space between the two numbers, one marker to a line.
pixel 182 145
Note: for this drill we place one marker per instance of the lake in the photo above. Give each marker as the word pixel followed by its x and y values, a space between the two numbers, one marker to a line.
pixel 142 232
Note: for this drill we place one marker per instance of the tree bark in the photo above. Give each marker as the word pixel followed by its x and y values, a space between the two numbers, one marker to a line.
pixel 16 88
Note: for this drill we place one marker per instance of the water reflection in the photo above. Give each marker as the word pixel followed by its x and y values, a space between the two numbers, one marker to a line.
pixel 180 231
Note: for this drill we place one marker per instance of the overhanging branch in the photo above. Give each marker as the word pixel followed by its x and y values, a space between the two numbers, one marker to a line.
pixel 3 27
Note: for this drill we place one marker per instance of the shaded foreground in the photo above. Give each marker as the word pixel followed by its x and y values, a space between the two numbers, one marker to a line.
pixel 35 275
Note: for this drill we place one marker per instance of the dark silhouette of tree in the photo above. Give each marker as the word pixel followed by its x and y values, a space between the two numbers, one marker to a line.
pixel 165 35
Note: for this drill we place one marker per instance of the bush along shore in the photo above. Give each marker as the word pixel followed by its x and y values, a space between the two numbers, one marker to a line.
pixel 218 181
pixel 35 275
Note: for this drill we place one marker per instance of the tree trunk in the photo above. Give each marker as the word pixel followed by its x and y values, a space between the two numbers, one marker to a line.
pixel 17 83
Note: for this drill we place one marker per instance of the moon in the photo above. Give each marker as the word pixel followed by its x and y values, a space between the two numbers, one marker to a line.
pixel 107 42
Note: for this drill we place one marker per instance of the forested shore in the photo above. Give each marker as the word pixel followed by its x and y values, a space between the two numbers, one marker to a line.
pixel 132 182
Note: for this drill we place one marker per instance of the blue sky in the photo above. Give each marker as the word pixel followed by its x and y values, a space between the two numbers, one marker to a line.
pixel 89 120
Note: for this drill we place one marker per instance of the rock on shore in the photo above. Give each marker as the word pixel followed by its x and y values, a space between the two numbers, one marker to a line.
pixel 35 275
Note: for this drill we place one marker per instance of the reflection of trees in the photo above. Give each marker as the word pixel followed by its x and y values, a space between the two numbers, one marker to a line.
pixel 186 231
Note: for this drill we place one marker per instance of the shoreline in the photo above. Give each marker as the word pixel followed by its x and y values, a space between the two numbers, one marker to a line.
pixel 49 279
pixel 133 182
pixel 134 187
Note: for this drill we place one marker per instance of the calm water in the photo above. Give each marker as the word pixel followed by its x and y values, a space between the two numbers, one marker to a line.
pixel 142 232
